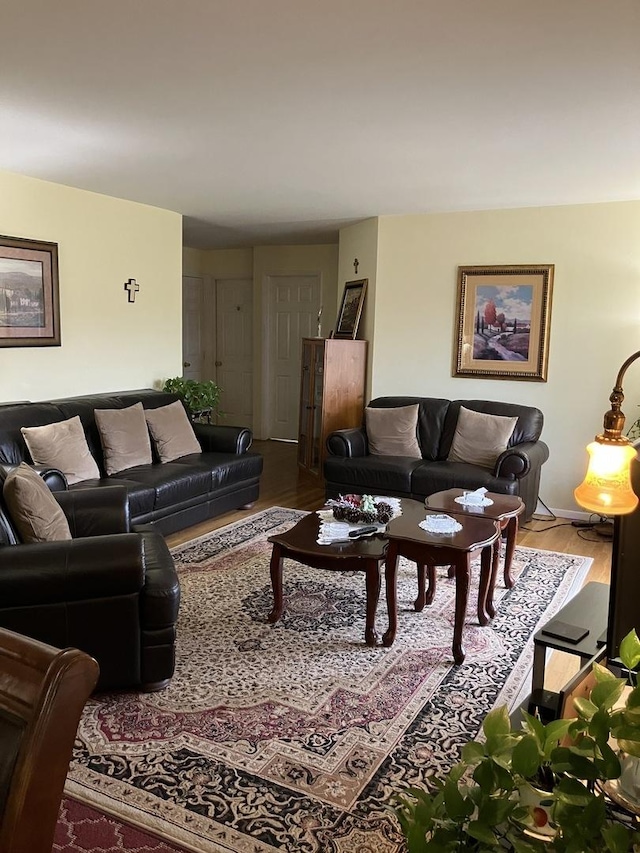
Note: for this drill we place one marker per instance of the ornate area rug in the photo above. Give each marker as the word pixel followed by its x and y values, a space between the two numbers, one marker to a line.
pixel 295 737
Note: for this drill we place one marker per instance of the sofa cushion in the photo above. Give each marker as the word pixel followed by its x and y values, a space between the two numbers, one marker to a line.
pixel 480 438
pixel 378 475
pixel 432 413
pixel 432 477
pixel 124 437
pixel 392 432
pixel 62 445
pixel 172 432
pixel 140 496
pixel 33 509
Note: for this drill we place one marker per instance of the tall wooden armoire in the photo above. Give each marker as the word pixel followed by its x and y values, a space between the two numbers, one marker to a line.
pixel 332 388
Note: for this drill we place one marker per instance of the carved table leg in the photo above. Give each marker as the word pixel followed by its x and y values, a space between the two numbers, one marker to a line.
pixel 275 570
pixel 512 532
pixel 372 575
pixel 462 596
pixel 421 600
pixel 486 610
pixel 425 594
pixel 390 575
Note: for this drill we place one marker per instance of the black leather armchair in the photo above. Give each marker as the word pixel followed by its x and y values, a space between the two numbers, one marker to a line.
pixel 110 591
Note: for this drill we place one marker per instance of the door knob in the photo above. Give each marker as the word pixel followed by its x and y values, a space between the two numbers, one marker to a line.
pixel 218 364
pixel 186 364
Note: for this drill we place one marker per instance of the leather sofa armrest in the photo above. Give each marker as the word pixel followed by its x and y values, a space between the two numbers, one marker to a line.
pixel 216 438
pixel 160 597
pixel 65 571
pixel 94 512
pixel 518 460
pixel 53 477
pixel 348 442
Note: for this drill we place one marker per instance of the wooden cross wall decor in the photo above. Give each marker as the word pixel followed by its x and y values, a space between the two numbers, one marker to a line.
pixel 356 264
pixel 132 287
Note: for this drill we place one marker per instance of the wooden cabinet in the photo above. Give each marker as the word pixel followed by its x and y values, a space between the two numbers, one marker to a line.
pixel 331 394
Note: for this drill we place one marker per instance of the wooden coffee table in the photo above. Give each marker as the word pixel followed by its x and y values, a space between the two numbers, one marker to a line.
pixel 362 555
pixel 505 509
pixel 407 539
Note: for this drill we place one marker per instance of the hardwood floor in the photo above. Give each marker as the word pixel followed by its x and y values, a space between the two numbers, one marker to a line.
pixel 283 485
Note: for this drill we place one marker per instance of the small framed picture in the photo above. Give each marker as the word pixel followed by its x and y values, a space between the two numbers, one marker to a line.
pixel 503 320
pixel 351 308
pixel 29 300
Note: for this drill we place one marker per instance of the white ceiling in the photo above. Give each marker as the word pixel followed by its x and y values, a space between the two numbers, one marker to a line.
pixel 274 121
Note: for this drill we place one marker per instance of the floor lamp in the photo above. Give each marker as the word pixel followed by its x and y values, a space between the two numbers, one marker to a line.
pixel 608 489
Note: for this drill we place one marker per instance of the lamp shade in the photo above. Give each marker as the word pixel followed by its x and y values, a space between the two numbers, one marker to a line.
pixel 606 488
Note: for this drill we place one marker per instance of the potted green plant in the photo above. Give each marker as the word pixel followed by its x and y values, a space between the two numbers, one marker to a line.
pixel 201 398
pixel 531 789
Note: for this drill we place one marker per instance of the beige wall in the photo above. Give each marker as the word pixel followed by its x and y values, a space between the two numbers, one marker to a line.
pixel 595 317
pixel 193 261
pixel 108 344
pixel 361 241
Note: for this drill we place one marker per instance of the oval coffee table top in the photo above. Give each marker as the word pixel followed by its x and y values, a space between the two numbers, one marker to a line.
pixel 476 532
pixel 302 537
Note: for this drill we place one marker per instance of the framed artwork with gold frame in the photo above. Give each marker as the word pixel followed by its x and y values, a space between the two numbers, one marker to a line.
pixel 29 300
pixel 503 319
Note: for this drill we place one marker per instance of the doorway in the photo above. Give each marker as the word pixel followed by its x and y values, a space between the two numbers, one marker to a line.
pixel 293 303
pixel 217 341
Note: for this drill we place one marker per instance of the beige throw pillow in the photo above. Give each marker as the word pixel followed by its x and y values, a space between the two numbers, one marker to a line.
pixel 124 437
pixel 392 432
pixel 172 432
pixel 62 445
pixel 480 438
pixel 33 509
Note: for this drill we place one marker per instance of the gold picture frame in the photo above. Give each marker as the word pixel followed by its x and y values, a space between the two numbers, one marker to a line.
pixel 503 320
pixel 351 308
pixel 29 298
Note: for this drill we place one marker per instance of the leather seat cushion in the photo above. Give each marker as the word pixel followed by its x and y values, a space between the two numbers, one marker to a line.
pixel 432 477
pixel 224 469
pixel 141 497
pixel 378 474
pixel 172 483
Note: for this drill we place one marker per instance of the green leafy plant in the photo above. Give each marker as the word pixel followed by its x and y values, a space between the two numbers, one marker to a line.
pixel 198 397
pixel 482 804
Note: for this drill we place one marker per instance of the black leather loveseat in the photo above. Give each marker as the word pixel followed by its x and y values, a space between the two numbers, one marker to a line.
pixel 172 495
pixel 350 468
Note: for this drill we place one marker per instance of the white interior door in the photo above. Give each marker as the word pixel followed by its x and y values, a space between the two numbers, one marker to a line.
pixel 192 315
pixel 234 349
pixel 294 302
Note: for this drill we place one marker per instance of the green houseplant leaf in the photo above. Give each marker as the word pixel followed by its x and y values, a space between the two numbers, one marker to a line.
pixel 197 396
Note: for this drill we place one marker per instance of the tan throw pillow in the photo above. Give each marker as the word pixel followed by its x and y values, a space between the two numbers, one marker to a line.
pixel 33 509
pixel 172 432
pixel 62 445
pixel 392 432
pixel 124 437
pixel 479 438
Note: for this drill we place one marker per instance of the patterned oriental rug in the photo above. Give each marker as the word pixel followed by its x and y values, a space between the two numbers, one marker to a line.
pixel 296 737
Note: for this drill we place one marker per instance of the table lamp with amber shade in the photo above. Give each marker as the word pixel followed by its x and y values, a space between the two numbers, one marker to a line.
pixel 608 489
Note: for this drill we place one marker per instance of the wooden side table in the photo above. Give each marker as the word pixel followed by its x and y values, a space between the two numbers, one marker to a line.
pixel 362 555
pixel 505 509
pixel 407 539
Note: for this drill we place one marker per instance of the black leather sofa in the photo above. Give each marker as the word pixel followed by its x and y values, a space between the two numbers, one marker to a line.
pixel 350 468
pixel 111 591
pixel 172 495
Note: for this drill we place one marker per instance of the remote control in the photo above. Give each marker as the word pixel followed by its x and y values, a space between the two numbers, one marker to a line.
pixel 362 531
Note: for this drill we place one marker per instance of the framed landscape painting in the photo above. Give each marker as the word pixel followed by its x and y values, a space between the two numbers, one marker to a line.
pixel 503 318
pixel 29 300
pixel 351 308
